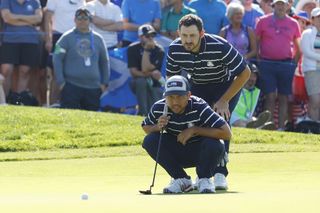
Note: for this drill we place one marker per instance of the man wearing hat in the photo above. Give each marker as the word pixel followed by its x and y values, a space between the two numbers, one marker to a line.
pixel 81 63
pixel 144 62
pixel 276 34
pixel 192 137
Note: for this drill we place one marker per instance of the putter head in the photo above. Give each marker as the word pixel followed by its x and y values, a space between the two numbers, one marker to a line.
pixel 146 192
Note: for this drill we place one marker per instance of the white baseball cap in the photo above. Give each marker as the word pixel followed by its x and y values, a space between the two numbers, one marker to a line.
pixel 275 1
pixel 315 12
pixel 177 85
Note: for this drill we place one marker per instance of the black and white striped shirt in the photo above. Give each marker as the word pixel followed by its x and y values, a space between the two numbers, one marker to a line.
pixel 197 113
pixel 217 61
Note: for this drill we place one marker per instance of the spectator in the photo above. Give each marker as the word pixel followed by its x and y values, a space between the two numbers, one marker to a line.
pixel 59 18
pixel 240 36
pixel 81 64
pixel 212 14
pixel 266 6
pixel 276 34
pixel 20 41
pixel 298 101
pixel 311 64
pixel 192 139
pixel 144 62
pixel 306 5
pixel 243 114
pixel 171 17
pixel 137 13
pixel 251 14
pixel 106 20
pixel 217 71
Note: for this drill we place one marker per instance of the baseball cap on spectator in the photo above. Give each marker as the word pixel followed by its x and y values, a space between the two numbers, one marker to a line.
pixel 302 15
pixel 146 30
pixel 177 85
pixel 275 1
pixel 82 11
pixel 315 12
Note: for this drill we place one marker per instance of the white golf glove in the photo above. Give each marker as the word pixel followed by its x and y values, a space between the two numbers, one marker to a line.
pixel 224 160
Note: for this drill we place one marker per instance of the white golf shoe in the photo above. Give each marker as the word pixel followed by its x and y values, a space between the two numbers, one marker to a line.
pixel 220 182
pixel 205 185
pixel 178 186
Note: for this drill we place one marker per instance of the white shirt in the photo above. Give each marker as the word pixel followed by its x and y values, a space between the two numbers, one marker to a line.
pixel 64 11
pixel 310 57
pixel 108 11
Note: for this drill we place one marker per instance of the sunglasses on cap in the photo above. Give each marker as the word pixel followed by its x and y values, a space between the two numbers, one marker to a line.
pixel 83 17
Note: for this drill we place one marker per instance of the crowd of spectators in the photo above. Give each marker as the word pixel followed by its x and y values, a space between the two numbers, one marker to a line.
pixel 266 32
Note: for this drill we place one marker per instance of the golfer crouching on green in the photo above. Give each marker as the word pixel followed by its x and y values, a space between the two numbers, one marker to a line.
pixel 191 138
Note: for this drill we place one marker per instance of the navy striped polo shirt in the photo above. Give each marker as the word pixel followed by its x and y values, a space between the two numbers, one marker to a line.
pixel 197 113
pixel 217 61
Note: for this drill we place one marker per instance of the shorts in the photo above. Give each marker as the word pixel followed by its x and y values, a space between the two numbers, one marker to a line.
pixel 312 79
pixel 20 54
pixel 276 76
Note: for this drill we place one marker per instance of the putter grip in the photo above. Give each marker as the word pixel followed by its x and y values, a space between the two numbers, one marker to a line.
pixel 165 109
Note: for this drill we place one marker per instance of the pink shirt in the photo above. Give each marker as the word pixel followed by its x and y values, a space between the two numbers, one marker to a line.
pixel 277 36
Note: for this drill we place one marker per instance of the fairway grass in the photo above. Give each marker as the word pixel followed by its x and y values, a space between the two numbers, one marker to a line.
pixel 259 182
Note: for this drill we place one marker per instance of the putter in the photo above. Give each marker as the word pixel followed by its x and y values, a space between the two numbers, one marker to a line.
pixel 148 191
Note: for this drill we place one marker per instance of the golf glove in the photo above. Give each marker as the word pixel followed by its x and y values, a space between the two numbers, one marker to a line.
pixel 224 160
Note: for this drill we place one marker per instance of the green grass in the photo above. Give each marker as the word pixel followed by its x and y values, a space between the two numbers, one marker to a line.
pixel 49 157
pixel 28 129
pixel 259 182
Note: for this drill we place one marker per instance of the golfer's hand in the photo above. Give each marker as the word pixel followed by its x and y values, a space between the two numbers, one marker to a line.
pixel 222 108
pixel 185 135
pixel 163 121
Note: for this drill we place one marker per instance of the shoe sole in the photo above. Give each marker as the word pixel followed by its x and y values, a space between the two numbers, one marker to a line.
pixel 221 188
pixel 188 189
pixel 207 191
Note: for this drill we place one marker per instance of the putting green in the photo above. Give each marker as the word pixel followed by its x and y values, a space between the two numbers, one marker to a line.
pixel 266 182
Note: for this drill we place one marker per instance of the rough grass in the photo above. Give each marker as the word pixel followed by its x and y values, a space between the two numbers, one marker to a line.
pixel 42 133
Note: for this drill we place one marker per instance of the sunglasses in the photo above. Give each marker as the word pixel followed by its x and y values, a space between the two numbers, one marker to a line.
pixel 83 17
pixel 150 36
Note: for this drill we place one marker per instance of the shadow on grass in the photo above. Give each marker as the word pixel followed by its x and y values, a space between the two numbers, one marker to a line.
pixel 195 192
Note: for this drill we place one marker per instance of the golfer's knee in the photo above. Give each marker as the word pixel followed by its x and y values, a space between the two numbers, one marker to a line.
pixel 150 142
pixel 213 146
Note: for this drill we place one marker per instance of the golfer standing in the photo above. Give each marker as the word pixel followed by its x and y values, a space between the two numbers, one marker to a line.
pixel 192 138
pixel 217 71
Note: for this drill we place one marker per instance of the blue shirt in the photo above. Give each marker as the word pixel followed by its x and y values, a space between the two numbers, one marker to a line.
pixel 217 61
pixel 139 12
pixel 197 113
pixel 212 13
pixel 20 34
pixel 250 18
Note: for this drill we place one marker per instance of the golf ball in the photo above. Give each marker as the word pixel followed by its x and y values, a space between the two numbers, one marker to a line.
pixel 84 196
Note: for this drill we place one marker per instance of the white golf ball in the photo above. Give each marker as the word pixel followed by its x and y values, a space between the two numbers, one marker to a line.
pixel 84 196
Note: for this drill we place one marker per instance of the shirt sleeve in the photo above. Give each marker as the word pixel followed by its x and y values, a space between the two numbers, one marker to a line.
pixel 5 4
pixel 158 10
pixel 152 117
pixel 59 54
pixel 156 57
pixel 125 9
pixel 104 63
pixel 172 68
pixel 209 118
pixel 52 5
pixel 134 59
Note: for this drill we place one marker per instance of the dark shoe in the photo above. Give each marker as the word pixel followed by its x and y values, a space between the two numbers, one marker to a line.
pixel 262 118
pixel 268 126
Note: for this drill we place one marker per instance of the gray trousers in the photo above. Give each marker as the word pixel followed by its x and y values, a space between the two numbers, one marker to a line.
pixel 146 94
